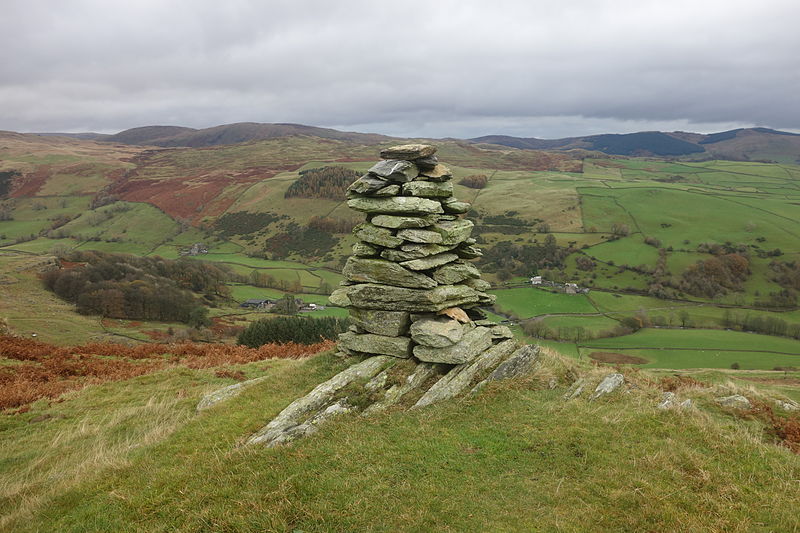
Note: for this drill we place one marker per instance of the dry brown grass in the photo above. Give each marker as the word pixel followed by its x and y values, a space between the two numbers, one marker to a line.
pixel 48 371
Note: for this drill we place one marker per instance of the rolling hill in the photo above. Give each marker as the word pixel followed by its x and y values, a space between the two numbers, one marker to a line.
pixel 743 144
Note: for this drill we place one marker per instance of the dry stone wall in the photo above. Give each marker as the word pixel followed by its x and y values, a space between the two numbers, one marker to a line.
pixel 409 287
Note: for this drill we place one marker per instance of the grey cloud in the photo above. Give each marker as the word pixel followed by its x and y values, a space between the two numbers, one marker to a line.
pixel 531 68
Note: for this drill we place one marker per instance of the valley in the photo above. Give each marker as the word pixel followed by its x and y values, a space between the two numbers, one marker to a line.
pixel 625 228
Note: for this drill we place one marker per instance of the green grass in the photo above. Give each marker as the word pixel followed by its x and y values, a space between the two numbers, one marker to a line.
pixel 515 458
pixel 701 340
pixel 528 302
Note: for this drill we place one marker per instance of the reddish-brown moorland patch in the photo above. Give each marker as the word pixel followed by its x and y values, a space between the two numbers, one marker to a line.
pixel 618 358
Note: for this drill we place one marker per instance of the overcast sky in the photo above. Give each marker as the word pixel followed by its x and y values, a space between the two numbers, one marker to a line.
pixel 430 68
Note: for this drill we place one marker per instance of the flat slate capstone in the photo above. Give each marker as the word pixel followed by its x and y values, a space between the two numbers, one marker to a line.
pixel 410 263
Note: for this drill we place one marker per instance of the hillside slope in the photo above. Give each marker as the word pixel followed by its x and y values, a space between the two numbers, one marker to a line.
pixel 743 144
pixel 135 455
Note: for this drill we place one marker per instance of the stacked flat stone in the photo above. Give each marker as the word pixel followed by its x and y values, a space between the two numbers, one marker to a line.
pixel 409 287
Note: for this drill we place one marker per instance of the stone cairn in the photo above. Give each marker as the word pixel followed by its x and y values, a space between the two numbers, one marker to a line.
pixel 412 295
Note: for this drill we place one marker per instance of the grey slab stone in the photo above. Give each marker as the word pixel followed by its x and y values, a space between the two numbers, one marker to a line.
pixel 438 332
pixel 389 190
pixel 432 261
pixel 365 270
pixel 455 272
pixel 397 205
pixel 438 173
pixel 472 343
pixel 376 344
pixel 455 231
pixel 339 297
pixel 478 284
pixel 381 322
pixel 420 236
pixel 226 393
pixel 362 249
pixel 395 170
pixel 735 401
pixel 400 222
pixel 609 384
pixel 408 151
pixel 459 378
pixel 452 206
pixel 374 296
pixel 278 431
pixel 428 189
pixel 376 235
pixel 367 184
pixel 426 163
pixel 408 252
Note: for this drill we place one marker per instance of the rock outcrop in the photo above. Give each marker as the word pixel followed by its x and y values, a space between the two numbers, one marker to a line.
pixel 414 302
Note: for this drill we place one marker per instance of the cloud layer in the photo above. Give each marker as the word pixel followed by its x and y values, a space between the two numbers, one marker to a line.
pixel 415 68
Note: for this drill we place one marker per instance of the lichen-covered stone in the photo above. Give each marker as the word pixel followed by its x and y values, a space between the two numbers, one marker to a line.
pixel 420 236
pixel 381 322
pixel 376 344
pixel 478 284
pixel 468 252
pixel 452 206
pixel 439 332
pixel 455 272
pixel 459 378
pixel 373 296
pixel 735 401
pixel 376 235
pixel 474 342
pixel 426 163
pixel 428 189
pixel 395 170
pixel 438 172
pixel 397 205
pixel 364 270
pixel 408 252
pixel 279 430
pixel 389 190
pixel 362 249
pixel 408 151
pixel 367 184
pixel 609 384
pixel 453 232
pixel 339 297
pixel 400 222
pixel 432 261
pixel 501 332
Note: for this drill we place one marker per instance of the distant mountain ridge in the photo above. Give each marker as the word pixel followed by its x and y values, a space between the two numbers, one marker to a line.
pixel 739 144
pixel 742 144
pixel 175 136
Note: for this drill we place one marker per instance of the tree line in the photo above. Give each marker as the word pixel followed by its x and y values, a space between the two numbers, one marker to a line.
pixel 141 288
pixel 292 329
pixel 325 182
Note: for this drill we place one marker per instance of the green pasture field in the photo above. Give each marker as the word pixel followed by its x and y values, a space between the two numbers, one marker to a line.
pixel 529 302
pixel 709 358
pixel 594 325
pixel 699 339
pixel 610 302
pixel 626 251
pixel 140 224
